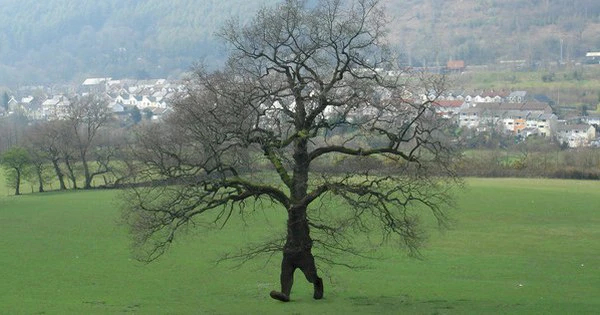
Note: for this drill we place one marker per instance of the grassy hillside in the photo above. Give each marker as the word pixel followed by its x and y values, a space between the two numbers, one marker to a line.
pixel 517 246
pixel 66 40
pixel 570 86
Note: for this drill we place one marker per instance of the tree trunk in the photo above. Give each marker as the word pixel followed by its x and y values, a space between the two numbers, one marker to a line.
pixel 59 174
pixel 40 181
pixel 71 173
pixel 298 232
pixel 297 250
pixel 18 183
pixel 86 173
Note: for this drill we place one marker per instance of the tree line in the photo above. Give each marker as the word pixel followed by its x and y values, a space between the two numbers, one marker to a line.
pixel 72 152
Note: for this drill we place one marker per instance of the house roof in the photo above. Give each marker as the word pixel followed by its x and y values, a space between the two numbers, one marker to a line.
pixel 27 99
pixel 544 116
pixel 518 93
pixel 527 106
pixel 535 106
pixel 95 81
pixel 574 127
pixel 516 113
pixel 447 103
pixel 51 102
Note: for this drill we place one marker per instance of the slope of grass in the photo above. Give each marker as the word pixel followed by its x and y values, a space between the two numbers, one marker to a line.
pixel 517 246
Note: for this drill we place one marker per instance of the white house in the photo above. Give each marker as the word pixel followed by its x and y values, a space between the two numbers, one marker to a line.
pixel 576 136
pixel 95 85
pixel 517 97
pixel 56 107
pixel 448 108
pixel 545 124
pixel 513 117
pixel 591 119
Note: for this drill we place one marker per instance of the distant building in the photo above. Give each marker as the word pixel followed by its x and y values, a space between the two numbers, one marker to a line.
pixel 593 119
pixel 95 85
pixel 593 57
pixel 55 107
pixel 576 136
pixel 455 66
pixel 517 97
pixel 513 118
pixel 448 108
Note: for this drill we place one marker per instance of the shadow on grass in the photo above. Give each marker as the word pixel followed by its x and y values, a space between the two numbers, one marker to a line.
pixel 383 301
pixel 403 302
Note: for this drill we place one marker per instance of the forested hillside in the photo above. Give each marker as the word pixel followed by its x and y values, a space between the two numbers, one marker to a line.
pixel 67 40
pixel 489 31
pixel 64 40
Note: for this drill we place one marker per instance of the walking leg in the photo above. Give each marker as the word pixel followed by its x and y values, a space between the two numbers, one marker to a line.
pixel 309 269
pixel 287 280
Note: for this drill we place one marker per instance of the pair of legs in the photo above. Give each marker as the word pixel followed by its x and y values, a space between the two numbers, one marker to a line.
pixel 304 261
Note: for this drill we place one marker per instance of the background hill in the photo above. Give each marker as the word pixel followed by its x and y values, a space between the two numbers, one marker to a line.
pixel 490 31
pixel 67 40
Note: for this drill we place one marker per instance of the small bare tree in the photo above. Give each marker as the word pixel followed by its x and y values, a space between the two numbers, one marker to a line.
pixel 304 86
pixel 47 137
pixel 15 161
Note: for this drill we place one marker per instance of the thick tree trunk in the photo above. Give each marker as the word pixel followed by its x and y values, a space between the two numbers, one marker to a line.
pixel 86 173
pixel 298 233
pixel 297 252
pixel 40 181
pixel 71 173
pixel 18 183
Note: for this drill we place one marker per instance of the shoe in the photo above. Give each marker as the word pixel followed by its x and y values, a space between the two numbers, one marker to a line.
pixel 280 296
pixel 318 289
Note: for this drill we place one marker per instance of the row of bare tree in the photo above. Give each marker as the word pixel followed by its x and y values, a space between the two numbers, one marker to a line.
pixel 83 145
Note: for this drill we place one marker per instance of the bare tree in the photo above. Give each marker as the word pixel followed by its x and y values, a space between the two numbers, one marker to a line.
pixel 68 155
pixel 46 137
pixel 107 154
pixel 86 116
pixel 38 162
pixel 304 86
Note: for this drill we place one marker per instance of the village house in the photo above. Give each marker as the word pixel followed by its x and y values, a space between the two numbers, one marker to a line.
pixel 448 108
pixel 95 85
pixel 593 119
pixel 511 117
pixel 55 107
pixel 542 124
pixel 126 100
pixel 517 97
pixel 13 104
pixel 159 114
pixel 575 136
pixel 31 107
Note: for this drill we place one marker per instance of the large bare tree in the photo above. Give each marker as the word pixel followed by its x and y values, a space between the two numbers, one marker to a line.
pixel 86 116
pixel 310 92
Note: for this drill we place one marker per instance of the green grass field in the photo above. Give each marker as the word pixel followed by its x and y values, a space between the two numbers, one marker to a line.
pixel 518 246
